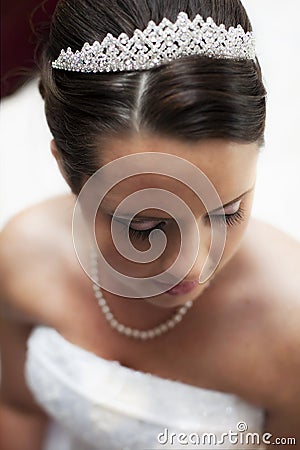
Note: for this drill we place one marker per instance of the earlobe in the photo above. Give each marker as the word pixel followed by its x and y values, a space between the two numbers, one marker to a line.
pixel 54 149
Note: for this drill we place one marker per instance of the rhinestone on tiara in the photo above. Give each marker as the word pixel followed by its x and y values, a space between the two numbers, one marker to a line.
pixel 158 45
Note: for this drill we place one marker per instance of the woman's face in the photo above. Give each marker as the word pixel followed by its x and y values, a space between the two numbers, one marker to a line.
pixel 230 167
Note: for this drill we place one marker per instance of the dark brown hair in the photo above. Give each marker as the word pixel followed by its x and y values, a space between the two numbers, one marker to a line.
pixel 191 98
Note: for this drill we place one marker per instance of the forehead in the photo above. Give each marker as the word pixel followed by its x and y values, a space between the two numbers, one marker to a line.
pixel 230 167
pixel 212 155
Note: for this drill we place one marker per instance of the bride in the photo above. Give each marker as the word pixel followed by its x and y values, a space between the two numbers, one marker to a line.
pixel 147 309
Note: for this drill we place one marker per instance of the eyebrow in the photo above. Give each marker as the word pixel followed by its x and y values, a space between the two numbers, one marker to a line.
pixel 167 219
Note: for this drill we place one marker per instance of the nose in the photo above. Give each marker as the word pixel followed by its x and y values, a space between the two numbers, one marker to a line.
pixel 189 255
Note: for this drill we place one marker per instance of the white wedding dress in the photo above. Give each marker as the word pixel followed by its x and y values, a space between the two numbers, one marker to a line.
pixel 99 404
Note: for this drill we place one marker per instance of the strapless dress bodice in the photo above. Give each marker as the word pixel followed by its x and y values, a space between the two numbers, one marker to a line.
pixel 99 404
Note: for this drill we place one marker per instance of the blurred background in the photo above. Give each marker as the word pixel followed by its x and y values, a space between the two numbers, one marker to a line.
pixel 28 172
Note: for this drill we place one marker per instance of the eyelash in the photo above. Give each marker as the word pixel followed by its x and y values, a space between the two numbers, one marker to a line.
pixel 229 220
pixel 144 234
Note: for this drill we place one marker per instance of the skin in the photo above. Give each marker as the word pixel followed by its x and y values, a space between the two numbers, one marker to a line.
pixel 231 160
pixel 242 333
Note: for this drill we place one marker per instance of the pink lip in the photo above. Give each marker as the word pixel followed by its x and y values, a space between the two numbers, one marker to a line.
pixel 183 288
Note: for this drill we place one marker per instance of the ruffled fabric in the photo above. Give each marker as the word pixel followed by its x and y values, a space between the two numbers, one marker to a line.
pixel 100 404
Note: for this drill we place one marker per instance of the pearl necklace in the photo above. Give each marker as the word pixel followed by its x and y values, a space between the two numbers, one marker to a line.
pixel 133 332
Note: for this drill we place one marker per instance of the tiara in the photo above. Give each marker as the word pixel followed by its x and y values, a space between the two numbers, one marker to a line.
pixel 160 44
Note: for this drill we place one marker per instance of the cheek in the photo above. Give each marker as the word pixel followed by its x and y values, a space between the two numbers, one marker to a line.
pixel 110 253
pixel 236 233
pixel 106 244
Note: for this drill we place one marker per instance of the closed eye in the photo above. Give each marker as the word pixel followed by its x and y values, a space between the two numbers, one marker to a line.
pixel 234 215
pixel 230 219
pixel 138 229
pixel 144 234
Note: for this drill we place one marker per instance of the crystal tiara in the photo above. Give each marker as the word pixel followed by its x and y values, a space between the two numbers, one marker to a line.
pixel 160 44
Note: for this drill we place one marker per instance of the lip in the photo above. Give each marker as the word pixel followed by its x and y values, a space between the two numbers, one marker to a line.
pixel 182 288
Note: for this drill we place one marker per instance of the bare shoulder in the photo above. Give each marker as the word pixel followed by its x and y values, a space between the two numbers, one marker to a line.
pixel 274 263
pixel 34 245
pixel 276 259
pixel 280 238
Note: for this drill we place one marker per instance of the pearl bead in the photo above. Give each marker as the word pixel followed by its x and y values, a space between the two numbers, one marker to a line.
pixel 109 316
pixel 177 318
pixel 114 323
pixel 120 327
pixel 135 333
pixel 105 309
pixel 101 302
pixel 127 331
